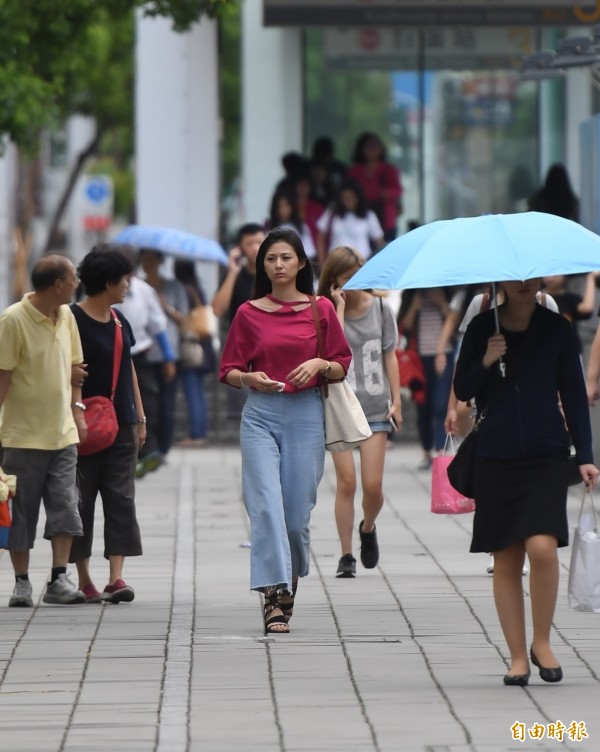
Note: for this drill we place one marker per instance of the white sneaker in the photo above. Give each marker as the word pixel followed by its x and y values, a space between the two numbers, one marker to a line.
pixel 62 590
pixel 22 595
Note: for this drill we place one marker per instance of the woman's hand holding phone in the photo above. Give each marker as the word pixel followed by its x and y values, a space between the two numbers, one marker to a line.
pixel 394 415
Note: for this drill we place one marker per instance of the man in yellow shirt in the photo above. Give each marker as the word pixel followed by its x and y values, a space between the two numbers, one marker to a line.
pixel 41 422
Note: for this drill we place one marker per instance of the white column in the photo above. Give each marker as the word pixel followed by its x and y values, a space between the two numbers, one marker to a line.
pixel 578 107
pixel 177 127
pixel 272 112
pixel 79 131
pixel 8 186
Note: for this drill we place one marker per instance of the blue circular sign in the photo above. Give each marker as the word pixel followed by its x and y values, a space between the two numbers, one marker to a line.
pixel 97 191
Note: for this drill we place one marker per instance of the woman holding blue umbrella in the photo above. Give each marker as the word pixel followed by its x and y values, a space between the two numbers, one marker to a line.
pixel 521 469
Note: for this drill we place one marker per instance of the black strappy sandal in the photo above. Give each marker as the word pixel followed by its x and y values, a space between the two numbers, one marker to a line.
pixel 274 624
pixel 286 602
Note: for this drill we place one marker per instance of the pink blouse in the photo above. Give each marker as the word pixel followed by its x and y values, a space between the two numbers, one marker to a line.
pixel 278 341
pixel 384 177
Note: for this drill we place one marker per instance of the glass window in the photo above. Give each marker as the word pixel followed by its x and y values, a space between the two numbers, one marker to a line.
pixel 463 131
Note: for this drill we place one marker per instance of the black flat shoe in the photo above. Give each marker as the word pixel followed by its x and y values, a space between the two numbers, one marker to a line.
pixel 517 680
pixel 546 674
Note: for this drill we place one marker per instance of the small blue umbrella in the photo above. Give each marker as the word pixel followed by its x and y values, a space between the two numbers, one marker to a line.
pixel 472 250
pixel 173 243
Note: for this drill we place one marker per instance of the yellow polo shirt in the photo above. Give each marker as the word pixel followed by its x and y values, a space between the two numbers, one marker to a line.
pixel 39 354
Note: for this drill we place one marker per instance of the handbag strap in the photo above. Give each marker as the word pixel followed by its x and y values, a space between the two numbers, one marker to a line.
pixel 451 443
pixel 320 349
pixel 585 494
pixel 118 352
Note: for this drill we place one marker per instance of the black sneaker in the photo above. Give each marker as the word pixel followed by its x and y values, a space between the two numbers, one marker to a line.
pixel 369 548
pixel 346 566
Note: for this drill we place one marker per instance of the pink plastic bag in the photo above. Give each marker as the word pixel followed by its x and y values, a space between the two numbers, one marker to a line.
pixel 444 498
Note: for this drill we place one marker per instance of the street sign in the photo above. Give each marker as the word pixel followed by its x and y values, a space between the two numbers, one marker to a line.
pixel 430 12
pixel 454 48
pixel 97 202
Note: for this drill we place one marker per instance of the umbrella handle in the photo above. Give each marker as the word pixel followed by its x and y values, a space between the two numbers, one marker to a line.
pixel 501 363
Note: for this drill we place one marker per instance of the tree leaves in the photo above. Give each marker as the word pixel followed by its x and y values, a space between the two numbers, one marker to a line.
pixel 61 57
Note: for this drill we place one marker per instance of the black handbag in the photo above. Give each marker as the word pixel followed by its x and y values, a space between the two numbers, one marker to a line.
pixel 460 469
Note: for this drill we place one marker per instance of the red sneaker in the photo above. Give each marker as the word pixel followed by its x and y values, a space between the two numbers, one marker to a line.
pixel 91 594
pixel 118 592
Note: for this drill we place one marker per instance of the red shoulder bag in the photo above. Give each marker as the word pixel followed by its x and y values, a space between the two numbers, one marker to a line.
pixel 100 414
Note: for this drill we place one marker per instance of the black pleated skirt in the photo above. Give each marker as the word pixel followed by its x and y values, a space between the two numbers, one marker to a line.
pixel 516 499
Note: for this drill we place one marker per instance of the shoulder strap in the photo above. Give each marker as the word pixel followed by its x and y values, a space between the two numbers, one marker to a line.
pixel 485 302
pixel 118 353
pixel 319 333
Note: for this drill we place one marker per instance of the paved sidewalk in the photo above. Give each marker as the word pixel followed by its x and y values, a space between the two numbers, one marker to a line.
pixel 406 657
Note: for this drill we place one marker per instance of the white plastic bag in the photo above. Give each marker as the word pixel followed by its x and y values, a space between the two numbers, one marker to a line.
pixel 584 572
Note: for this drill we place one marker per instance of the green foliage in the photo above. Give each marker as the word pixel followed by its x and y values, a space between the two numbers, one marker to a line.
pixel 60 57
pixel 184 13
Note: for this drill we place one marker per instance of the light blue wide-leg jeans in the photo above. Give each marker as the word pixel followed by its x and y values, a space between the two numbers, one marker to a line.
pixel 283 455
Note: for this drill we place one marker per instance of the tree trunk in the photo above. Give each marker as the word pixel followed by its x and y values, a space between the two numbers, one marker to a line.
pixel 68 190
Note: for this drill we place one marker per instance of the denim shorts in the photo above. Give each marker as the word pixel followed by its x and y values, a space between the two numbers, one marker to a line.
pixel 380 426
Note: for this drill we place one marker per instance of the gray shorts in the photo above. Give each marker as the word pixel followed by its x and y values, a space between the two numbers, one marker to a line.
pixel 42 475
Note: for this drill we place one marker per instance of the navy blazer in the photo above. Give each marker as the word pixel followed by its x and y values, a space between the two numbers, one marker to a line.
pixel 523 418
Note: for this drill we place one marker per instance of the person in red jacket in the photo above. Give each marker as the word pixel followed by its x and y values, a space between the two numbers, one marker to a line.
pixel 380 182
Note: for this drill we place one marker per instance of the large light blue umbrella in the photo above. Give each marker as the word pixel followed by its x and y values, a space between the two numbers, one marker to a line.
pixel 471 250
pixel 173 243
pixel 490 248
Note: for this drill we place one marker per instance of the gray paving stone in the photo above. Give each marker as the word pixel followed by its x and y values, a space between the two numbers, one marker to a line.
pixel 408 656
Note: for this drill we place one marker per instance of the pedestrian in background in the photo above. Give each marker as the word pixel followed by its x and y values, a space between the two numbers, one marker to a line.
pixel 41 424
pixel 237 286
pixel 272 349
pixel 104 275
pixel 175 305
pixel 556 196
pixel 326 171
pixel 370 328
pixel 424 313
pixel 192 377
pixel 521 472
pixel 380 182
pixel 143 309
pixel 284 214
pixel 348 222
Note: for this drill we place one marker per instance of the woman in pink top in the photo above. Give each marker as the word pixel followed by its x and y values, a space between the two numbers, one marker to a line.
pixel 380 182
pixel 271 347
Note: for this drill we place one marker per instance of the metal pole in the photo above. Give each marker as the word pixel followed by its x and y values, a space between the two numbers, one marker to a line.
pixel 501 363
